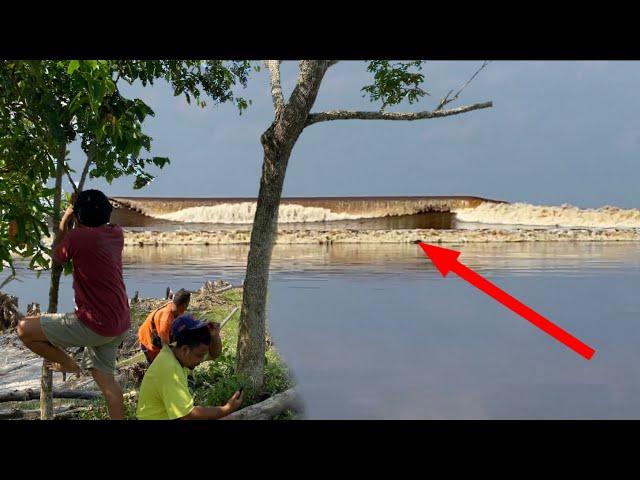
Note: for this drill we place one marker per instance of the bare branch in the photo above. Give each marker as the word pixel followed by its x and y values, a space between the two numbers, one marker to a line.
pixel 85 170
pixel 447 100
pixel 276 88
pixel 73 184
pixel 11 277
pixel 408 116
pixel 83 177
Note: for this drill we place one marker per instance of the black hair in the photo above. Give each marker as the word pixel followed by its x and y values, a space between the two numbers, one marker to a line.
pixel 194 338
pixel 92 208
pixel 182 298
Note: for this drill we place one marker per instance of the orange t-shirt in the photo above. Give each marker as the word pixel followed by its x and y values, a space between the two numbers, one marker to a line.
pixel 164 318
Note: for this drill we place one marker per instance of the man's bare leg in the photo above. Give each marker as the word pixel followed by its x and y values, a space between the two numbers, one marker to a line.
pixel 112 393
pixel 30 332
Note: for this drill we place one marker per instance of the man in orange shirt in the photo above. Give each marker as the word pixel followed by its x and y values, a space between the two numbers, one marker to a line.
pixel 156 329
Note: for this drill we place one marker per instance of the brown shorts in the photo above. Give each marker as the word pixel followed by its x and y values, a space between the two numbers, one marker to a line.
pixel 65 330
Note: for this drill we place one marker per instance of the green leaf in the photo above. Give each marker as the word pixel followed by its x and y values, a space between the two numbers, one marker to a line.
pixel 68 268
pixel 73 66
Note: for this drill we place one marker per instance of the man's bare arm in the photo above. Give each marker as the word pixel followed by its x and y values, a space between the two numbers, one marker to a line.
pixel 66 221
pixel 64 227
pixel 215 413
pixel 207 413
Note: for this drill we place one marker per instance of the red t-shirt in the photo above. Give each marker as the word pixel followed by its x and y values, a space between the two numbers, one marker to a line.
pixel 101 297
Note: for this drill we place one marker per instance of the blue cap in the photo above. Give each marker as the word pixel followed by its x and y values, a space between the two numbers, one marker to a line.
pixel 182 323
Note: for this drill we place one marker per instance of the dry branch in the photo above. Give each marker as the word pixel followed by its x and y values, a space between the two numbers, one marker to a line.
pixel 406 116
pixel 276 87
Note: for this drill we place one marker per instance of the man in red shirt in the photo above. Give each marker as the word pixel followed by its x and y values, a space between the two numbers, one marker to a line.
pixel 102 308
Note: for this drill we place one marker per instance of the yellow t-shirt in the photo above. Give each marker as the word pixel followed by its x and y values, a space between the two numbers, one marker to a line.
pixel 164 392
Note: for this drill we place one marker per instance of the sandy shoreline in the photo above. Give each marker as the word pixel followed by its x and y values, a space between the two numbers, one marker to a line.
pixel 231 237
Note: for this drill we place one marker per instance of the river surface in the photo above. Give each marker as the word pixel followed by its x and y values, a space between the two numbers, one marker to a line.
pixel 375 332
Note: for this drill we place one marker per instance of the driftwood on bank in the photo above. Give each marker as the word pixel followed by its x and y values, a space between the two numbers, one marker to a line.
pixel 61 413
pixel 29 394
pixel 215 287
pixel 226 320
pixel 223 289
pixel 9 314
pixel 272 406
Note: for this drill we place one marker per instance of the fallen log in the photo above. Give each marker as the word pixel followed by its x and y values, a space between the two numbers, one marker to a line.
pixel 29 394
pixel 269 408
pixel 58 414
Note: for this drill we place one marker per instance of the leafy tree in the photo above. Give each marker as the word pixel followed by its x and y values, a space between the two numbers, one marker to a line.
pixel 46 105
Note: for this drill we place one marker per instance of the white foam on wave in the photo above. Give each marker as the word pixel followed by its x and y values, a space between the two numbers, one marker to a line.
pixel 550 216
pixel 243 213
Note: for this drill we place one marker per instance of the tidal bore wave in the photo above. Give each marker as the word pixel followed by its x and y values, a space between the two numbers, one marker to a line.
pixel 453 219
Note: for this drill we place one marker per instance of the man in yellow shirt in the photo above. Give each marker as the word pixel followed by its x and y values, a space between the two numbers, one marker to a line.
pixel 164 392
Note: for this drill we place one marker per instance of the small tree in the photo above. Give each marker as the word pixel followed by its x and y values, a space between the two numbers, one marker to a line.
pixel 392 84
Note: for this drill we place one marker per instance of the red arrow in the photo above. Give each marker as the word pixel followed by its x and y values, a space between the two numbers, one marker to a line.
pixel 446 260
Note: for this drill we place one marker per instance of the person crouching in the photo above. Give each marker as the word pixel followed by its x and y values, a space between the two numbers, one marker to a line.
pixel 156 329
pixel 164 392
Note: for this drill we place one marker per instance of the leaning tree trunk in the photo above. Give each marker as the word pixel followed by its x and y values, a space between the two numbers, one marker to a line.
pixel 251 339
pixel 46 381
pixel 277 142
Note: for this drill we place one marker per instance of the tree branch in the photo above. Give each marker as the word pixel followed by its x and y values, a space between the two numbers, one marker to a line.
pixel 308 70
pixel 447 100
pixel 73 184
pixel 356 115
pixel 90 158
pixel 276 88
pixel 11 276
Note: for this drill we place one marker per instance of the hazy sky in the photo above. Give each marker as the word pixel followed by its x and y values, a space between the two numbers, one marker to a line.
pixel 559 132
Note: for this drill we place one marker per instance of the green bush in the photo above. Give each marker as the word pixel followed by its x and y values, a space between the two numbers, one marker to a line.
pixel 277 377
pixel 99 409
pixel 215 381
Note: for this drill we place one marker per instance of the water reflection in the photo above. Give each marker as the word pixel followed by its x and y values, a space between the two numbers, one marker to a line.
pixel 526 258
pixel 374 331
